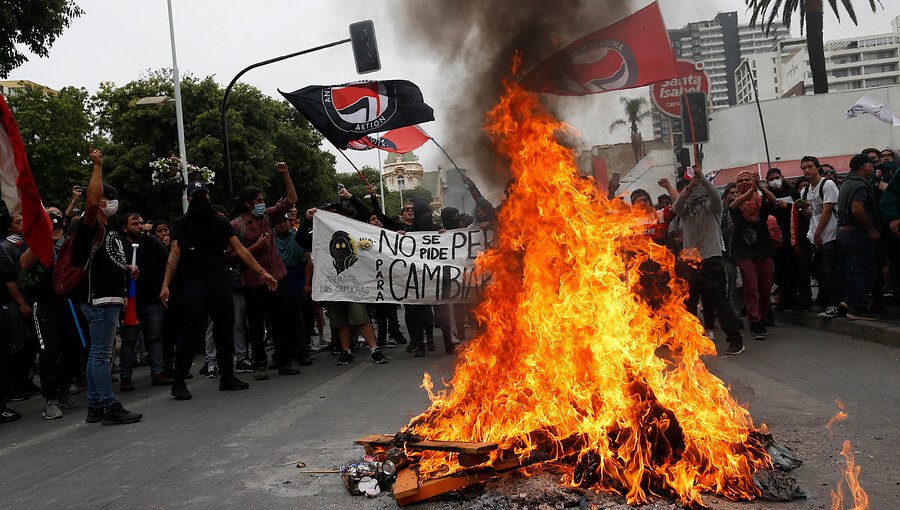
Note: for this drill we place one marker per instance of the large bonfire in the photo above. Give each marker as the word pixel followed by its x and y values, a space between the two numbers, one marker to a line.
pixel 573 364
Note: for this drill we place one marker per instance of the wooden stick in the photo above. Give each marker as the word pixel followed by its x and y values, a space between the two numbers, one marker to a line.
pixel 320 472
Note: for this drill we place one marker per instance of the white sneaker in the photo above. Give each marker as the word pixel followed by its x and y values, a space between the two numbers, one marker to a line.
pixel 710 334
pixel 830 313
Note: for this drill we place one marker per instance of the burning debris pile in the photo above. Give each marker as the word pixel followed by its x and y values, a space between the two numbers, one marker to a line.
pixel 576 371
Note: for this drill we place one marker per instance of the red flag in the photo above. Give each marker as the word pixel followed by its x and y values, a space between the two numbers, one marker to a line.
pixel 19 190
pixel 398 141
pixel 632 52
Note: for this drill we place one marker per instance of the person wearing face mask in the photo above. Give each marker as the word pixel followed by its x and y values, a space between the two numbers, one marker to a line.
pixel 253 225
pixel 58 350
pixel 785 259
pixel 103 294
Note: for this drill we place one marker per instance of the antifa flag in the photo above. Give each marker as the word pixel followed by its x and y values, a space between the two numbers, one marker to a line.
pixel 398 141
pixel 345 113
pixel 20 191
pixel 630 53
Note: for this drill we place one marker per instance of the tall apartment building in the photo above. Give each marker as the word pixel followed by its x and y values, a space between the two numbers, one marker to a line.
pixel 719 43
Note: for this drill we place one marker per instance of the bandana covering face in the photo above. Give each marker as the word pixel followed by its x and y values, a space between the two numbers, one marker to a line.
pixel 750 208
pixel 697 201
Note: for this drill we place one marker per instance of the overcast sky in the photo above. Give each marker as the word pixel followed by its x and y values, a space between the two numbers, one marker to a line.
pixel 116 40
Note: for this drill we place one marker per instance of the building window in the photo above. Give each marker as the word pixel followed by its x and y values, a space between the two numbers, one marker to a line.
pixel 880 82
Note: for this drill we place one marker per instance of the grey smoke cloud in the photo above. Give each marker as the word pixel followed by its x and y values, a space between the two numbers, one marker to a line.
pixel 475 40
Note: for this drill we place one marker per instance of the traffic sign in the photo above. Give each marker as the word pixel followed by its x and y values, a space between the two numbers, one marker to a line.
pixel 666 95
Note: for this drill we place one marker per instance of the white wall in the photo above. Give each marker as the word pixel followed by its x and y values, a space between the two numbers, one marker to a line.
pixel 656 165
pixel 798 126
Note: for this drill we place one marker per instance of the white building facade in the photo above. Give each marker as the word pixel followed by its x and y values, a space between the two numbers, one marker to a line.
pixel 851 64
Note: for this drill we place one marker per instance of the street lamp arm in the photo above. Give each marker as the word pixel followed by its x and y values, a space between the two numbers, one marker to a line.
pixel 228 184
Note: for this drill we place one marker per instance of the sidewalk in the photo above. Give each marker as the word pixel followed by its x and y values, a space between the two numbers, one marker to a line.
pixel 885 331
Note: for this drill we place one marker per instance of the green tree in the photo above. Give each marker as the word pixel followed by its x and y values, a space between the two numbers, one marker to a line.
pixel 261 131
pixel 812 13
pixel 357 187
pixel 635 112
pixel 34 24
pixel 55 129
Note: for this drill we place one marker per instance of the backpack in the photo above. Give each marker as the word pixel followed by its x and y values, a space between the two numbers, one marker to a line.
pixel 68 278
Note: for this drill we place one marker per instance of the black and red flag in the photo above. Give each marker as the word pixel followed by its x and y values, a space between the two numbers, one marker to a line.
pixel 348 112
pixel 398 141
pixel 632 52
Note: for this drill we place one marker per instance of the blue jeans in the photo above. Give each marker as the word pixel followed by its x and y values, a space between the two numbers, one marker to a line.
pixel 102 322
pixel 861 252
pixel 150 321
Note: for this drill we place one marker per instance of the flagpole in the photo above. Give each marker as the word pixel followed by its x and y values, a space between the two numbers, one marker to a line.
pixel 445 154
pixel 358 171
pixel 381 178
pixel 680 88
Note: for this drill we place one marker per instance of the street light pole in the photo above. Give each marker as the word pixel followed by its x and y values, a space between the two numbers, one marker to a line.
pixel 228 184
pixel 179 118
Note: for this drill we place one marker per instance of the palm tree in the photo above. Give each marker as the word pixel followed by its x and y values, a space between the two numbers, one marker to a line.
pixel 635 112
pixel 812 12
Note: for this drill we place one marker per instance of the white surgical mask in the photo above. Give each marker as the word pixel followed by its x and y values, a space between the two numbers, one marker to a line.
pixel 259 209
pixel 775 183
pixel 111 207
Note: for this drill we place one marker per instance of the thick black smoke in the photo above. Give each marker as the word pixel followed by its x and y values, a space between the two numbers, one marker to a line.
pixel 475 41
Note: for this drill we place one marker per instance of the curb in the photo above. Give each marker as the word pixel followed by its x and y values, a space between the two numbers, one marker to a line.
pixel 886 333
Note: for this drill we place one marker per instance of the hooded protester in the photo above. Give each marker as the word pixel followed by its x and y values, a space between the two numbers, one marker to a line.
pixel 450 218
pixel 752 248
pixel 198 245
pixel 414 217
pixel 699 208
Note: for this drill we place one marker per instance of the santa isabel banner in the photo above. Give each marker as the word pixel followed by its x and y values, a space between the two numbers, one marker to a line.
pixel 358 262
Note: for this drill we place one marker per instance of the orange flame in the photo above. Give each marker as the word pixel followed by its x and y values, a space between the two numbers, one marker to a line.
pixel 837 418
pixel 851 477
pixel 574 367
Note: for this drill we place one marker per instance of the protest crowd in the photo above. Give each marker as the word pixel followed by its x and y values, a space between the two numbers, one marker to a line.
pixel 760 245
pixel 215 293
pixel 218 293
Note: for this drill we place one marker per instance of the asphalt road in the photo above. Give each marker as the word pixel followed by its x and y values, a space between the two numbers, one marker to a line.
pixel 240 449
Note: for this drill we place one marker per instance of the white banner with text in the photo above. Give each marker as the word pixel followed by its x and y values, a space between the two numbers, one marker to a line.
pixel 358 262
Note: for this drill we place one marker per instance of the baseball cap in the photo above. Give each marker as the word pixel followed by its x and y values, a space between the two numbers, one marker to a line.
pixel 195 186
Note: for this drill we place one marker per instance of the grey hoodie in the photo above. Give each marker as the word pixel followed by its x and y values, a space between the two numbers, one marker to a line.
pixel 701 229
